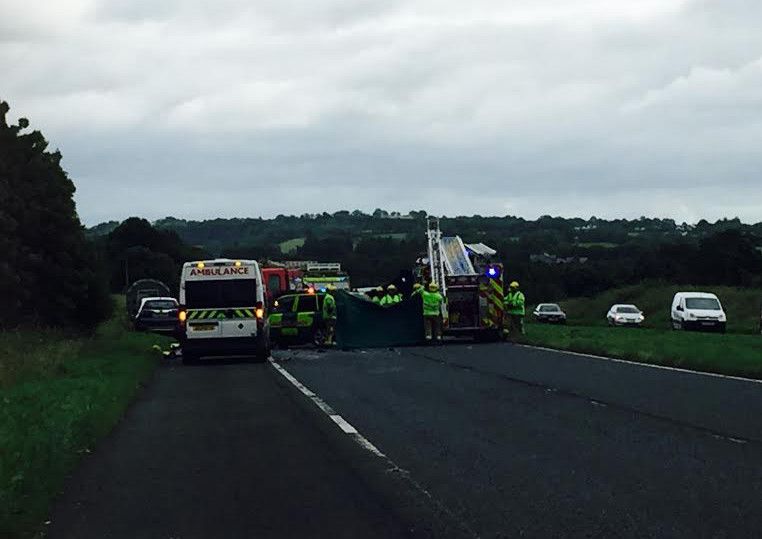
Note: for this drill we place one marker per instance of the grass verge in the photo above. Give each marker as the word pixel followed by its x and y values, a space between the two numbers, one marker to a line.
pixel 735 355
pixel 742 305
pixel 58 396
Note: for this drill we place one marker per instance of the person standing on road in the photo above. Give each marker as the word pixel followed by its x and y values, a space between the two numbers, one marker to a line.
pixel 392 297
pixel 329 315
pixel 432 312
pixel 514 311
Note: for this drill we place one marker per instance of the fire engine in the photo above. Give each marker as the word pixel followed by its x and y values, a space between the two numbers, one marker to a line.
pixel 319 276
pixel 469 280
pixel 302 275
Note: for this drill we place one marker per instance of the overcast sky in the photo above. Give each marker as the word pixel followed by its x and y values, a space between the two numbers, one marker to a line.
pixel 200 109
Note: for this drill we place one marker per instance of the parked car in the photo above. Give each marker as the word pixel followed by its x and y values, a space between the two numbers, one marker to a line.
pixel 157 314
pixel 698 311
pixel 297 319
pixel 625 315
pixel 550 313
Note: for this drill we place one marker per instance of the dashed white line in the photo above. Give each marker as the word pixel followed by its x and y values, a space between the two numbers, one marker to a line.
pixel 390 466
pixel 343 424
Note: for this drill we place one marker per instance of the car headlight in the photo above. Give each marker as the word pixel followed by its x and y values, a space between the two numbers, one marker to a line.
pixel 723 318
pixel 691 315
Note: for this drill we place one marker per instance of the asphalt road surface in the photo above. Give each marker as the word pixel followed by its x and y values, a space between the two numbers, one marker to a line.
pixel 481 440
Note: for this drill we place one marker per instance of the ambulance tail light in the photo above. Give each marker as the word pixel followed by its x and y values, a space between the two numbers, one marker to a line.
pixel 259 311
pixel 182 316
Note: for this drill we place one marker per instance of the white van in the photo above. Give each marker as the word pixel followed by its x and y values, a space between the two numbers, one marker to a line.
pixel 698 310
pixel 222 310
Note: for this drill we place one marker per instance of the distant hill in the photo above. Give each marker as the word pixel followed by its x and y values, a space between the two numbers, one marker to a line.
pixel 545 233
pixel 554 257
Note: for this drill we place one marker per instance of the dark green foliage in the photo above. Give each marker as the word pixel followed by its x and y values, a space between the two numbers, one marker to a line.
pixel 604 254
pixel 137 250
pixel 49 273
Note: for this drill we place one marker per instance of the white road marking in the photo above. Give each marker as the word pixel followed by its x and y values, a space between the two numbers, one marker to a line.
pixel 651 365
pixel 343 424
pixel 362 441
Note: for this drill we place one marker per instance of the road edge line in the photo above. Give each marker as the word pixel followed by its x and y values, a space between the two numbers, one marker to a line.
pixel 454 527
pixel 640 363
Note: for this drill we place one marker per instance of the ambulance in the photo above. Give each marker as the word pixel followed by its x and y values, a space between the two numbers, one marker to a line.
pixel 223 310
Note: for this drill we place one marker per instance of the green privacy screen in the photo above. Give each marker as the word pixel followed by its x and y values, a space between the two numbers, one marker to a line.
pixel 363 324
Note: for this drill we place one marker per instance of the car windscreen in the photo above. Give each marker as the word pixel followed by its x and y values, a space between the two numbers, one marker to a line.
pixel 273 283
pixel 284 304
pixel 704 304
pixel 160 304
pixel 549 308
pixel 627 310
pixel 221 293
pixel 307 304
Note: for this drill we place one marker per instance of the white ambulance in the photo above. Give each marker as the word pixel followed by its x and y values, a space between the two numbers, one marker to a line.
pixel 222 310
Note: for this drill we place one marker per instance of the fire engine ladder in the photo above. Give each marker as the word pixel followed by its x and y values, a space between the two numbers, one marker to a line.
pixel 436 260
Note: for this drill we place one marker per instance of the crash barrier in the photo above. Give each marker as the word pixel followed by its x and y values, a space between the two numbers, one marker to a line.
pixel 363 324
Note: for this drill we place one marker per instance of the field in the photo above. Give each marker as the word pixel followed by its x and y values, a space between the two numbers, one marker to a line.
pixel 742 305
pixel 739 352
pixel 735 355
pixel 60 394
pixel 289 246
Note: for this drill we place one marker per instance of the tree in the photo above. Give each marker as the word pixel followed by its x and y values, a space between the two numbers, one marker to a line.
pixel 49 273
pixel 137 250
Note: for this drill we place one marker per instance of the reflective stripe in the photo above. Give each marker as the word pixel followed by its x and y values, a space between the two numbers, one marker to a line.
pixel 304 319
pixel 211 314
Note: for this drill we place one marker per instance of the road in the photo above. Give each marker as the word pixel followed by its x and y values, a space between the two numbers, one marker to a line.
pixel 486 440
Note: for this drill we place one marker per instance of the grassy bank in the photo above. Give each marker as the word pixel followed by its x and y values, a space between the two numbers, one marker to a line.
pixel 742 305
pixel 59 394
pixel 736 355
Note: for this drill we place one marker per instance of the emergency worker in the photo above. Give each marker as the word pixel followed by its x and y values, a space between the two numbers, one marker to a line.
pixel 378 295
pixel 417 289
pixel 432 312
pixel 514 311
pixel 392 297
pixel 329 315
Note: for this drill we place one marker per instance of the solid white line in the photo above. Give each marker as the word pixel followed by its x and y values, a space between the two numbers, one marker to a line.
pixel 651 365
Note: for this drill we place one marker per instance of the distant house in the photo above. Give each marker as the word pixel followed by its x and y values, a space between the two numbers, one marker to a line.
pixel 546 258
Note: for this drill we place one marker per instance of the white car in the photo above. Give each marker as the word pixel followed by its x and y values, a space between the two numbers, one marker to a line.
pixel 625 315
pixel 698 310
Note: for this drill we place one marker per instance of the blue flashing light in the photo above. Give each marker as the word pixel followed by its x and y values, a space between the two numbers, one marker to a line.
pixel 492 272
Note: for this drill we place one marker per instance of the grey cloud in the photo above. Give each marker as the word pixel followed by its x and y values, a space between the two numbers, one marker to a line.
pixel 241 108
